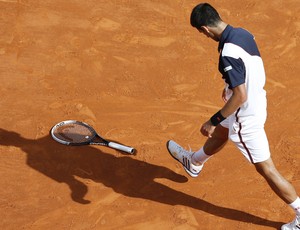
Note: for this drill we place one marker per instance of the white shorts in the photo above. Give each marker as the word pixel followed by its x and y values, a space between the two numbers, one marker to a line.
pixel 249 137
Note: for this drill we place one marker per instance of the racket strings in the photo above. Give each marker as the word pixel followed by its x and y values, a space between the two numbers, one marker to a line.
pixel 74 133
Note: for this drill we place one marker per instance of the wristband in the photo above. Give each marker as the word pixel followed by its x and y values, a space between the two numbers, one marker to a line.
pixel 217 118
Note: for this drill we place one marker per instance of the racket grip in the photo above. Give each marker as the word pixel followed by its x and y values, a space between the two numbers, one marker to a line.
pixel 123 148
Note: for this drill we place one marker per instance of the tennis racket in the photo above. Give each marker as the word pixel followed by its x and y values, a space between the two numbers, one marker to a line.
pixel 79 133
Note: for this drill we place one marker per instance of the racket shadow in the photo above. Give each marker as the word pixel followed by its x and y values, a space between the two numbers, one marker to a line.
pixel 125 175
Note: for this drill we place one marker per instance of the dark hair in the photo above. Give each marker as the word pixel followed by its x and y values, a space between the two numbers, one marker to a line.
pixel 204 15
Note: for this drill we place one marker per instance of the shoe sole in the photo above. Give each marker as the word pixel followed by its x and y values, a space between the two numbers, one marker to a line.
pixel 191 174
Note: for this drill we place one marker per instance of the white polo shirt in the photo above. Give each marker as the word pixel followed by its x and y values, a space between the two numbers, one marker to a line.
pixel 240 62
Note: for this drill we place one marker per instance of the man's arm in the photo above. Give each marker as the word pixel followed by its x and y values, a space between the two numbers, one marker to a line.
pixel 238 98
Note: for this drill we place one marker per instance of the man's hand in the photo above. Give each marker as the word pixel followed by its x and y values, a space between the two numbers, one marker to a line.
pixel 239 96
pixel 207 129
pixel 224 95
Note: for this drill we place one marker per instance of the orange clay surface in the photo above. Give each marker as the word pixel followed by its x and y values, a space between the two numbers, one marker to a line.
pixel 140 75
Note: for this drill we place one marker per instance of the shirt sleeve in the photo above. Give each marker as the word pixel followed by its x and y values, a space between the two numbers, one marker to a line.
pixel 233 71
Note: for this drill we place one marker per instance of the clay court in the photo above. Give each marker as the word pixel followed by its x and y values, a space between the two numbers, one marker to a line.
pixel 140 75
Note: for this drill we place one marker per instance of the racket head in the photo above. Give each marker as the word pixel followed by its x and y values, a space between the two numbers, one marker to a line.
pixel 72 132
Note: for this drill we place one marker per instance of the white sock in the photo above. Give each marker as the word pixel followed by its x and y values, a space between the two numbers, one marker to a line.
pixel 296 206
pixel 200 157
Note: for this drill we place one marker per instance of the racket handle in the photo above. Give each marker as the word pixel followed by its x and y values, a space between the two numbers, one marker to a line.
pixel 121 147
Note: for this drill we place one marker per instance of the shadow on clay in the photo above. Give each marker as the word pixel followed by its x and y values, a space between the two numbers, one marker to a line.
pixel 124 174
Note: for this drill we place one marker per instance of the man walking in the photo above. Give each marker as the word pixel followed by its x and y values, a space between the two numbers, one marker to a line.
pixel 243 116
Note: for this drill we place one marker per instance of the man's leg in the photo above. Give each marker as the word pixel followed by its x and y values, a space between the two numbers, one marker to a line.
pixel 217 141
pixel 212 145
pixel 193 162
pixel 282 188
pixel 276 181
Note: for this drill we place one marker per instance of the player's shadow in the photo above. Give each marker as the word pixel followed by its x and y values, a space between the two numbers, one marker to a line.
pixel 125 175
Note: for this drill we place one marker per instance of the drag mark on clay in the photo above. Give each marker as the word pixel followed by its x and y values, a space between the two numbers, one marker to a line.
pixel 276 83
pixel 10 1
pixel 153 41
pixel 106 24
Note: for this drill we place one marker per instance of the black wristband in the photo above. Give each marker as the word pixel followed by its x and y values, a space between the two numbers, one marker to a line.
pixel 217 118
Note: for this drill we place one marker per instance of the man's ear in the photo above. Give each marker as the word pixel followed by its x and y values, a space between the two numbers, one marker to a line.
pixel 205 29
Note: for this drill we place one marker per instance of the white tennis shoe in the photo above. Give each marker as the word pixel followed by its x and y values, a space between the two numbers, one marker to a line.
pixel 184 157
pixel 294 225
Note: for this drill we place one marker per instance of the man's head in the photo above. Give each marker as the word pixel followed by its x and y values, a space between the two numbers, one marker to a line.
pixel 207 20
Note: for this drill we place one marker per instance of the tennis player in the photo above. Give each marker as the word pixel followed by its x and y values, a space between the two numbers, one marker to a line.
pixel 243 116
